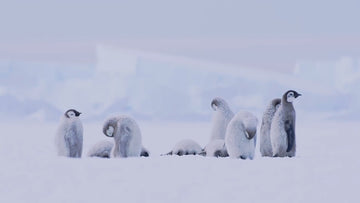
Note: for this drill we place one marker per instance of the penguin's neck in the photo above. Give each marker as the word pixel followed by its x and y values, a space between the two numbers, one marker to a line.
pixel 287 105
pixel 227 111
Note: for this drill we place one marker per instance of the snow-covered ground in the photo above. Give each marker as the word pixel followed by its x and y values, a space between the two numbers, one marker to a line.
pixel 325 169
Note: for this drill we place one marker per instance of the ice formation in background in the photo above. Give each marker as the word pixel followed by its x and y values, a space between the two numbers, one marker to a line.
pixel 154 86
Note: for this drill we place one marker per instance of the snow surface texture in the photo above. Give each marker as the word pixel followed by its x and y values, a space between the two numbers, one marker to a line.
pixel 325 169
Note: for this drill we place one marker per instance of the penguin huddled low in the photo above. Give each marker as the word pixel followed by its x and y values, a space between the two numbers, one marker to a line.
pixel 103 149
pixel 186 147
pixel 215 148
pixel 69 136
pixel 282 131
pixel 126 134
pixel 240 139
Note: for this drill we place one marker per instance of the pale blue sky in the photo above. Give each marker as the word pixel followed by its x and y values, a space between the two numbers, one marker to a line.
pixel 260 34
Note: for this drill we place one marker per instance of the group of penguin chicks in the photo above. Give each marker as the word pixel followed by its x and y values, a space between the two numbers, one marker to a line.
pixel 232 135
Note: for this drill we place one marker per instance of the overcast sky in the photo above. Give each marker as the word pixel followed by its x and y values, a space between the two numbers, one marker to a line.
pixel 260 34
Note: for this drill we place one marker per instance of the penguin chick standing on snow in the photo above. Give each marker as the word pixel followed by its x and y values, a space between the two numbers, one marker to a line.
pixel 221 118
pixel 69 137
pixel 265 142
pixel 240 139
pixel 126 134
pixel 282 132
pixel 185 147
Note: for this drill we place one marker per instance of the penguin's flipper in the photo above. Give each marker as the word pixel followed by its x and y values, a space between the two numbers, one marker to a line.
pixel 290 132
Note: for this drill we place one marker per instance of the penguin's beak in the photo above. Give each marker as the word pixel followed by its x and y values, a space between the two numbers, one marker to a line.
pixel 297 95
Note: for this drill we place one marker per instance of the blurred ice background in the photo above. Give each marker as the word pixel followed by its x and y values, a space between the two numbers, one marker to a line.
pixel 167 60
pixel 163 87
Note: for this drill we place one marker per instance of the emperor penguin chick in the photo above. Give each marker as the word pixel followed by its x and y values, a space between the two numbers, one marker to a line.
pixel 126 134
pixel 103 149
pixel 69 136
pixel 216 148
pixel 265 142
pixel 221 118
pixel 282 132
pixel 240 139
pixel 185 147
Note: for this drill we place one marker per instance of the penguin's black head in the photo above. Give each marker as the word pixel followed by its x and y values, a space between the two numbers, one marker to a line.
pixel 217 102
pixel 109 126
pixel 291 95
pixel 71 113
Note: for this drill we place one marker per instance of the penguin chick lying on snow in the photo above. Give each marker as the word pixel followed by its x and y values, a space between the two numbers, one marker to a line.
pixel 215 148
pixel 185 147
pixel 103 149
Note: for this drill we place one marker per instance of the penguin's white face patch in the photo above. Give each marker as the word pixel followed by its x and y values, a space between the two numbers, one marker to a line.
pixel 110 131
pixel 290 97
pixel 71 114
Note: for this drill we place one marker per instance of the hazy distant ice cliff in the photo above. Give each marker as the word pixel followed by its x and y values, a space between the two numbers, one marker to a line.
pixel 154 86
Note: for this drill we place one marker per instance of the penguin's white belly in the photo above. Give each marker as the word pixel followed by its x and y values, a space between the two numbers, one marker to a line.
pixel 278 136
